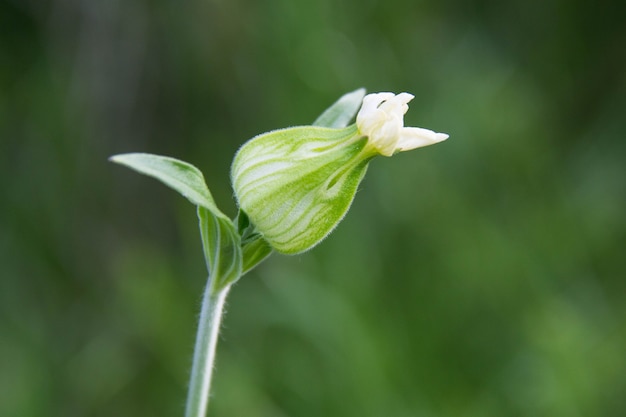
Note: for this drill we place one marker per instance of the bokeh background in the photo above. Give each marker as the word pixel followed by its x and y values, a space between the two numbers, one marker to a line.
pixel 484 276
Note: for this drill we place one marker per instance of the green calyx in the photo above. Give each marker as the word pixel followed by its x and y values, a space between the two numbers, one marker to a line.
pixel 296 184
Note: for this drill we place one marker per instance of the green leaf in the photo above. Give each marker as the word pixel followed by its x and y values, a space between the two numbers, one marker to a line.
pixel 222 249
pixel 255 248
pixel 342 111
pixel 254 252
pixel 178 175
pixel 243 224
pixel 220 240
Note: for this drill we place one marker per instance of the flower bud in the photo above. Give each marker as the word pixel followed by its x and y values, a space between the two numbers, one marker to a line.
pixel 296 184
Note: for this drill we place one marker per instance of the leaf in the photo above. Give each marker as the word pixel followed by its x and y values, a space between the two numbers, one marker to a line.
pixel 342 111
pixel 254 252
pixel 178 175
pixel 254 247
pixel 222 249
pixel 220 240
pixel 243 224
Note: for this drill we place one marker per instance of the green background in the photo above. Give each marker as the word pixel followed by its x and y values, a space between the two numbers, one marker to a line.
pixel 484 276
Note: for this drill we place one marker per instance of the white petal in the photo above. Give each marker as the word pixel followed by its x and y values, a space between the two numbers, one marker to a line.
pixel 380 119
pixel 416 137
pixel 370 116
pixel 405 97
pixel 372 101
pixel 397 104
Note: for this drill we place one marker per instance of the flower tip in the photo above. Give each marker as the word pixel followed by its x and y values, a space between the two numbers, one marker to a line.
pixel 440 137
pixel 405 97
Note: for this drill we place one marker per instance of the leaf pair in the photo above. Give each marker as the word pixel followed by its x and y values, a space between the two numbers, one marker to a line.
pixel 227 259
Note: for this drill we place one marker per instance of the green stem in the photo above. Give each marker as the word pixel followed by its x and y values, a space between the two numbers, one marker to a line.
pixel 204 352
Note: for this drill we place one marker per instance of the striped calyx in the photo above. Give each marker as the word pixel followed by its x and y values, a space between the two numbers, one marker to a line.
pixel 296 184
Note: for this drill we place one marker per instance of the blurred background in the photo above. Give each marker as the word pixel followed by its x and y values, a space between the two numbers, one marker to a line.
pixel 484 276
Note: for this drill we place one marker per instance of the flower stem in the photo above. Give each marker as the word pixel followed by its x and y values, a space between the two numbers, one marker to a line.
pixel 204 351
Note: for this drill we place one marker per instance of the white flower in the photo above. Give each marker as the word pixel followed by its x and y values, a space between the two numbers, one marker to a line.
pixel 381 119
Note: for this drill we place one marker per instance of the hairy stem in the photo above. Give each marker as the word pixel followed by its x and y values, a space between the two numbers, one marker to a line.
pixel 204 351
